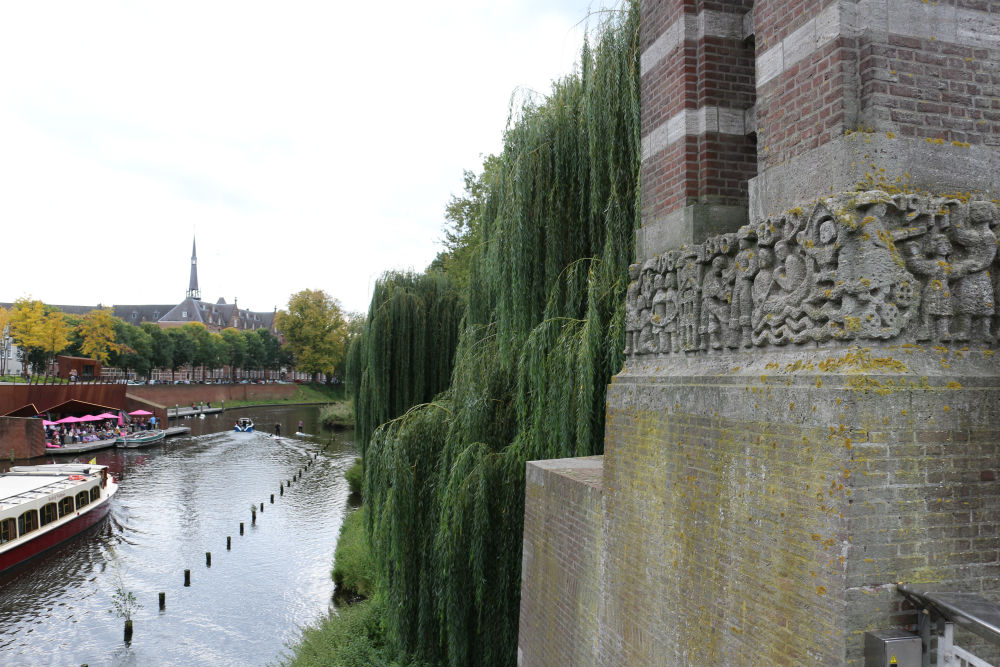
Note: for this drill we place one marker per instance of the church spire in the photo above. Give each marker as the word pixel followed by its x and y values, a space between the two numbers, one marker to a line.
pixel 193 291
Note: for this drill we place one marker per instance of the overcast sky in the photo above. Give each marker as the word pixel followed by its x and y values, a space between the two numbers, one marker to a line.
pixel 306 144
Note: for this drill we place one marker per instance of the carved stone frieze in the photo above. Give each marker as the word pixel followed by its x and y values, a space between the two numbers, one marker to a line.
pixel 856 267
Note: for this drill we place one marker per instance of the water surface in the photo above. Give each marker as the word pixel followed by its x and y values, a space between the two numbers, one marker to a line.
pixel 178 500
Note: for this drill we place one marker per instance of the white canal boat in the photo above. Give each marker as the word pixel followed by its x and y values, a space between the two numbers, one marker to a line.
pixel 43 505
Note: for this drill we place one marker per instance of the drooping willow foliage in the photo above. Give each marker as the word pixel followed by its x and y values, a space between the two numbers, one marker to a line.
pixel 404 355
pixel 542 336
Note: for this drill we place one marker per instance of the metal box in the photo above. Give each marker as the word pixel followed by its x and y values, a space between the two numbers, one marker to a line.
pixel 887 648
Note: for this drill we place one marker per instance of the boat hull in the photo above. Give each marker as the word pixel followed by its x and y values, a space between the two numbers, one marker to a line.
pixel 141 441
pixel 47 540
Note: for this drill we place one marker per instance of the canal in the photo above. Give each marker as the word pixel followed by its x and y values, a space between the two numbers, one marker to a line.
pixel 178 500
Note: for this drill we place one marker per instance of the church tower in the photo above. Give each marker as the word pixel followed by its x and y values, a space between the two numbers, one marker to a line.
pixel 193 291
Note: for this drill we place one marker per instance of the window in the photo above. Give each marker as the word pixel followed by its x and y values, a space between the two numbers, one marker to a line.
pixel 184 313
pixel 65 506
pixel 95 493
pixel 8 530
pixel 82 498
pixel 27 522
pixel 48 513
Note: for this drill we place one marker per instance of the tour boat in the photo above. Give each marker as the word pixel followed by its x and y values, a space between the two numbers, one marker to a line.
pixel 40 506
pixel 140 438
pixel 243 425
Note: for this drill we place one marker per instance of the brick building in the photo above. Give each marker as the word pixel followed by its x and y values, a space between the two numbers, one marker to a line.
pixel 808 412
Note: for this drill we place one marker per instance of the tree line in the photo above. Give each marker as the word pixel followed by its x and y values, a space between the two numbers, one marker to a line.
pixel 313 335
pixel 536 255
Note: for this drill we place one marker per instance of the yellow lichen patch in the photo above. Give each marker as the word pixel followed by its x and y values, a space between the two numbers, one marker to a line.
pixel 953 385
pixel 862 361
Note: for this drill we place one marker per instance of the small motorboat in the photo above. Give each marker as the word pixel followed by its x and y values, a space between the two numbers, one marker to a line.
pixel 40 506
pixel 243 425
pixel 140 438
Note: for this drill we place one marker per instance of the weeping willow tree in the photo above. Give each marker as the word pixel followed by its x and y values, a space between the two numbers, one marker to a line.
pixel 542 335
pixel 404 354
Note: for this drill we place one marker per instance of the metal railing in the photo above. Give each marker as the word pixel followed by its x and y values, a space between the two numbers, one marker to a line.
pixel 946 610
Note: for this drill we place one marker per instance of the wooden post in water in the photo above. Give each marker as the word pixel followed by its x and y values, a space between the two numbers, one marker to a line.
pixel 282 489
pixel 187 577
pixel 229 543
pixel 272 498
pixel 208 559
pixel 128 630
pixel 241 527
pixel 163 600
pixel 253 517
pixel 262 507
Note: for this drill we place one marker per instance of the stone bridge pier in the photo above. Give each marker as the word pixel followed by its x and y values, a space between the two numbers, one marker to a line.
pixel 809 411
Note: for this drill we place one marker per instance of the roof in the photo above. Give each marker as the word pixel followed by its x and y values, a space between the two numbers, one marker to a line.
pixel 137 314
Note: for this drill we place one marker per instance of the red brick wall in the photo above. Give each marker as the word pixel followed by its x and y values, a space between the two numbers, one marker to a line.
pixel 699 72
pixel 933 89
pixel 185 394
pixel 911 82
pixel 24 437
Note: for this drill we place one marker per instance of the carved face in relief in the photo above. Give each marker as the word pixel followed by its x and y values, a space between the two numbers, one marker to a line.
pixel 827 232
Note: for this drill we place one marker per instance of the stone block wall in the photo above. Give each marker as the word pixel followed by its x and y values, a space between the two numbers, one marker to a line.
pixel 562 554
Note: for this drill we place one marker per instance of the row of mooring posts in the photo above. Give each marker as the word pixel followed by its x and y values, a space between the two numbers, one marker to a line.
pixel 229 540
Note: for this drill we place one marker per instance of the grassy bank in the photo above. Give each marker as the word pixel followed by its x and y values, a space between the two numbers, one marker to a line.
pixel 304 393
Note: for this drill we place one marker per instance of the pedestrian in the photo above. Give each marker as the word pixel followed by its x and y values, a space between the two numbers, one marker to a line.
pixel 277 429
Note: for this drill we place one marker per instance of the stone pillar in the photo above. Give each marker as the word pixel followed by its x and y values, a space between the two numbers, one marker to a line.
pixel 810 405
pixel 697 148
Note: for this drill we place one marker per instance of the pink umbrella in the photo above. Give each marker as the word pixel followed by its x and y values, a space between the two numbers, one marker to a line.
pixel 46 422
pixel 67 420
pixel 89 418
pixel 139 413
pixel 107 415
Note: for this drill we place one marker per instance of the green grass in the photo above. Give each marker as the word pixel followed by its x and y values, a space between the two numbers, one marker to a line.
pixel 338 415
pixel 353 635
pixel 355 476
pixel 354 567
pixel 304 393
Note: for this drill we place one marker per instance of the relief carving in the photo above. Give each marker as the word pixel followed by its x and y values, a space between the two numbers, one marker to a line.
pixel 861 266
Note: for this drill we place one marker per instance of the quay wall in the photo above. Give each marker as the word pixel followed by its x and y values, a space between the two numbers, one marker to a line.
pixel 22 438
pixel 186 394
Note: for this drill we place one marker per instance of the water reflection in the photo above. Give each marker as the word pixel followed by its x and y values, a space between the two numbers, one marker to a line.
pixel 178 500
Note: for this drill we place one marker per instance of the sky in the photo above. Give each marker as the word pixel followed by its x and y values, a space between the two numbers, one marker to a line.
pixel 305 145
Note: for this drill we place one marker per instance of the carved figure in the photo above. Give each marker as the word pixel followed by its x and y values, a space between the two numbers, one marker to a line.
pixel 973 290
pixel 715 298
pixel 935 298
pixel 632 309
pixel 741 309
pixel 859 266
pixel 665 311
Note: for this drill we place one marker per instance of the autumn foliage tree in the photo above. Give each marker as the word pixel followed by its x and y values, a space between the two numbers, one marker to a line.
pixel 315 331
pixel 40 331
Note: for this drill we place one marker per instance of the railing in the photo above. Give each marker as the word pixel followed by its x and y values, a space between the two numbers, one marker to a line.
pixel 946 610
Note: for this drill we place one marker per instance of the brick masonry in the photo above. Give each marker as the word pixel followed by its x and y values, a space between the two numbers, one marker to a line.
pixel 563 545
pixel 759 507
